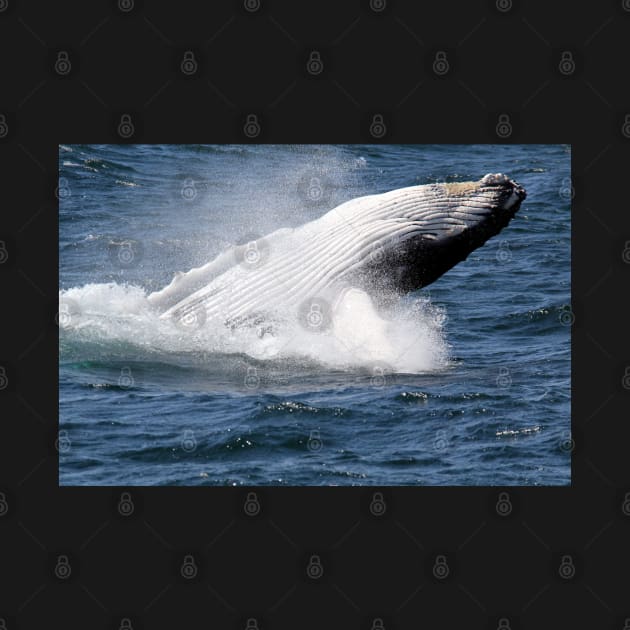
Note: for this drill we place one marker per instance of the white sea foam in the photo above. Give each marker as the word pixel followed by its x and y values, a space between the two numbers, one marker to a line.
pixel 112 316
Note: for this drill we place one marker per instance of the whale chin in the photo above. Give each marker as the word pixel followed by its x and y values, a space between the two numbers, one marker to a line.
pixel 394 242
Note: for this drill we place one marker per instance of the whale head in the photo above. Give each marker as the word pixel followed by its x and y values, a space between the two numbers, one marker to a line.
pixel 444 223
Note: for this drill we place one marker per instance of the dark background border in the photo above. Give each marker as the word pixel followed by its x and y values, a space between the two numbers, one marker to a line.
pixel 555 557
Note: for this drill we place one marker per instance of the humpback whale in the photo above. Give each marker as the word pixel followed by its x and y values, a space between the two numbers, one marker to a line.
pixel 384 244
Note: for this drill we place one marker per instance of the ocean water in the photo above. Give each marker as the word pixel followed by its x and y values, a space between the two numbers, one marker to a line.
pixel 466 382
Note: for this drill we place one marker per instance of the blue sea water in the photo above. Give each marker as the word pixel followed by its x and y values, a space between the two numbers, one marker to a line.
pixel 478 394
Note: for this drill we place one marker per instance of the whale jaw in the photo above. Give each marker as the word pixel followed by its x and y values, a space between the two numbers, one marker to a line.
pixel 473 212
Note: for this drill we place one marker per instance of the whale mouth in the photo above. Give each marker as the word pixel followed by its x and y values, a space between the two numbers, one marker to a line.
pixel 487 204
pixel 512 193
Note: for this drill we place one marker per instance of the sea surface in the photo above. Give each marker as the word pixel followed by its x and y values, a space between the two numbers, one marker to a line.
pixel 468 383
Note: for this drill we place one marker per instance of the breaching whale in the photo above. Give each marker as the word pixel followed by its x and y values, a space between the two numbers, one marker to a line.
pixel 385 244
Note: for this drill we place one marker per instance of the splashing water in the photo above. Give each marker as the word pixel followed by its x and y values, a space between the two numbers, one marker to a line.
pixel 117 321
